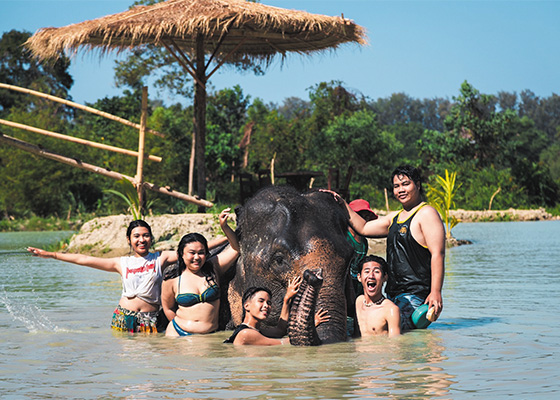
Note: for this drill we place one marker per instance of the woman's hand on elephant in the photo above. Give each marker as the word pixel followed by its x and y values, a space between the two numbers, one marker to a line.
pixel 321 316
pixel 223 217
pixel 293 287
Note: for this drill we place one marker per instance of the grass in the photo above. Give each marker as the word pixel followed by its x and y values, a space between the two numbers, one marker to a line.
pixel 40 224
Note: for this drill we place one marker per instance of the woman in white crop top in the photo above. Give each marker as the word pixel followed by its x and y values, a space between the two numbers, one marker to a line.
pixel 141 277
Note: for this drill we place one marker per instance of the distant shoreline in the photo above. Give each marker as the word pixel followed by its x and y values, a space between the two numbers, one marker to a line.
pixel 511 214
pixel 105 236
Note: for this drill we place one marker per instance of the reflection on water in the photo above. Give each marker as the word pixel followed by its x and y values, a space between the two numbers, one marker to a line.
pixel 496 337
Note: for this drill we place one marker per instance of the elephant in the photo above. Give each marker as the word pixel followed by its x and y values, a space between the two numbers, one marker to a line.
pixel 282 232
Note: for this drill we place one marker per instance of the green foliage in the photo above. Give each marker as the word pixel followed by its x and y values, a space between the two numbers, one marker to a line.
pixel 18 67
pixel 356 140
pixel 478 186
pixel 226 116
pixel 473 117
pixel 129 195
pixel 504 141
pixel 272 134
pixel 35 223
pixel 442 199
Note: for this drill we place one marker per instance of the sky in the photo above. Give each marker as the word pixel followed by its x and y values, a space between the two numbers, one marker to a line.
pixel 425 49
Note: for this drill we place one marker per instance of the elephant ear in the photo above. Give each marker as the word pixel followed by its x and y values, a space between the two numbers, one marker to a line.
pixel 239 210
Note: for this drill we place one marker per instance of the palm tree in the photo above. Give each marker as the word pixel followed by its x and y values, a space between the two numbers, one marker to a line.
pixel 442 199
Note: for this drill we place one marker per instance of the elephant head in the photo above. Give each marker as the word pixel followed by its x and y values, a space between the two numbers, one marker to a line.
pixel 283 232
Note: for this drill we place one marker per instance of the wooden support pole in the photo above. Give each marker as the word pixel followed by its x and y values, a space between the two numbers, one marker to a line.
pixel 78 106
pixel 141 143
pixel 191 162
pixel 386 199
pixel 98 170
pixel 77 140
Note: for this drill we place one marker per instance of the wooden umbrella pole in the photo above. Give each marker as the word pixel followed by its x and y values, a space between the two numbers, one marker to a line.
pixel 98 170
pixel 141 143
pixel 200 116
pixel 79 106
pixel 77 140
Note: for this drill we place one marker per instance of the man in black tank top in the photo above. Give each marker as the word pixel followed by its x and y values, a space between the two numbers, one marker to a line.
pixel 415 247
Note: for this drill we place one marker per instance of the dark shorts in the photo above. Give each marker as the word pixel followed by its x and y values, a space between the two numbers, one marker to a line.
pixel 407 303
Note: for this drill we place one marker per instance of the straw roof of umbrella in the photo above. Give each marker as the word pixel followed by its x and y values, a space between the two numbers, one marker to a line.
pixel 225 30
pixel 237 28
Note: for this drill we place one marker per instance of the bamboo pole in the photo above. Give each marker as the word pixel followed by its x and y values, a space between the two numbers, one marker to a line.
pixel 191 163
pixel 79 106
pixel 77 140
pixel 386 199
pixel 98 170
pixel 141 143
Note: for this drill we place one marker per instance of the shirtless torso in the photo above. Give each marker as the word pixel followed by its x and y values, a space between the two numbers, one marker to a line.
pixel 375 319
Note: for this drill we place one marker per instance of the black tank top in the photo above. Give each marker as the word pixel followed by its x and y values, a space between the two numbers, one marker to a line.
pixel 236 332
pixel 409 262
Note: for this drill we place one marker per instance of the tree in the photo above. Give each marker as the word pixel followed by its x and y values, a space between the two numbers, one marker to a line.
pixel 328 101
pixel 18 67
pixel 473 117
pixel 357 140
pixel 226 116
pixel 30 184
pixel 443 199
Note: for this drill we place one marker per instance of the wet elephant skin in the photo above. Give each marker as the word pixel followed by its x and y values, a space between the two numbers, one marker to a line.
pixel 283 232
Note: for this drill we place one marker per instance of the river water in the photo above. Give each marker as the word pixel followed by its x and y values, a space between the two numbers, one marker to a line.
pixel 498 336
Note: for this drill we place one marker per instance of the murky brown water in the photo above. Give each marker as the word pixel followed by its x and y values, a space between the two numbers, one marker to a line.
pixel 498 336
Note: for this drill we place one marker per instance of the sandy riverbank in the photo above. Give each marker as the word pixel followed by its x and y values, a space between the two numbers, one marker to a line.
pixel 106 236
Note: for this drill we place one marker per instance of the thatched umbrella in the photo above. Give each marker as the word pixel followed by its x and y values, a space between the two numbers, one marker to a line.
pixel 198 33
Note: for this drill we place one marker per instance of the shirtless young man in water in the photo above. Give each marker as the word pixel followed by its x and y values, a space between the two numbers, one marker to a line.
pixel 376 314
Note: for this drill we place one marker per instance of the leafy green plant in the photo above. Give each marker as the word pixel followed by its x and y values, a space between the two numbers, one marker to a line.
pixel 442 199
pixel 129 195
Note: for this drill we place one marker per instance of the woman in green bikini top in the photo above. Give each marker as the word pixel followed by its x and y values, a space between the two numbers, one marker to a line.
pixel 191 300
pixel 211 294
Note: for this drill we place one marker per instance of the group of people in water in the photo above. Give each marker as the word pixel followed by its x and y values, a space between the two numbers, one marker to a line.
pixel 187 302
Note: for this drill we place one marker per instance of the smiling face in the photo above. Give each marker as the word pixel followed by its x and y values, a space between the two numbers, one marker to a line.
pixel 194 256
pixel 140 240
pixel 259 306
pixel 406 191
pixel 372 278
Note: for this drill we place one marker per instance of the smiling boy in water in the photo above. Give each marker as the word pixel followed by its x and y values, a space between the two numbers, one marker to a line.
pixel 376 314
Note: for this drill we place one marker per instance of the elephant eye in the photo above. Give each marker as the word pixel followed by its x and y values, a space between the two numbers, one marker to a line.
pixel 277 258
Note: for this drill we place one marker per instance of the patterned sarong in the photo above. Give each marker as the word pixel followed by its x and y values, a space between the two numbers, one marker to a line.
pixel 134 321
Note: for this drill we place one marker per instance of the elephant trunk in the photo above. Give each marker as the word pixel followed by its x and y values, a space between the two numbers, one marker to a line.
pixel 301 325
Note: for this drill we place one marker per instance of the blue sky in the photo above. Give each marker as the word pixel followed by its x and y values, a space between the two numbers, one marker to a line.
pixel 423 48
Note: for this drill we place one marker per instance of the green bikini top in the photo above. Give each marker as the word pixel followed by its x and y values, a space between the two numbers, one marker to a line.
pixel 211 294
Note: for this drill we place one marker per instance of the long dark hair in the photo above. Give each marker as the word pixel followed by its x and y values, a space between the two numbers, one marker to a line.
pixel 207 269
